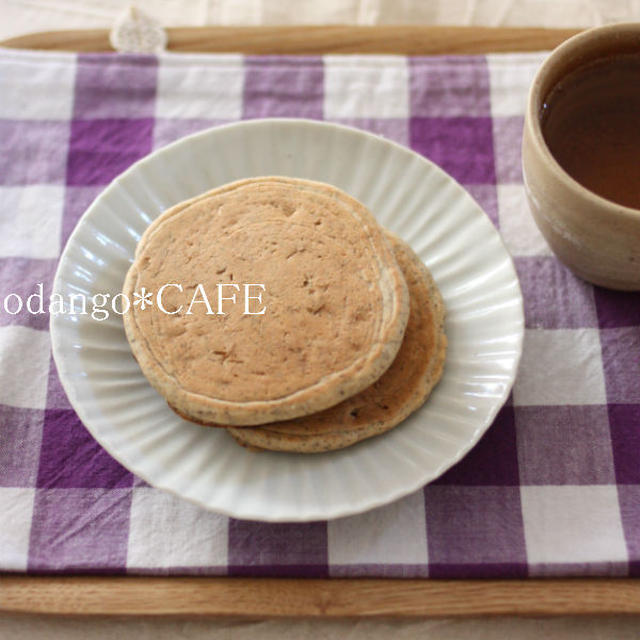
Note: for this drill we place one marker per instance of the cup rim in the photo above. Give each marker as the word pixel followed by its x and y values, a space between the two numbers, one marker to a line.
pixel 570 46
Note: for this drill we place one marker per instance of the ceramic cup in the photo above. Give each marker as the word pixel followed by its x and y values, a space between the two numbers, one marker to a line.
pixel 597 238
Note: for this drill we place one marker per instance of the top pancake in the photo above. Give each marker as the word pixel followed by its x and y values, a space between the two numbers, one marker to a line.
pixel 336 302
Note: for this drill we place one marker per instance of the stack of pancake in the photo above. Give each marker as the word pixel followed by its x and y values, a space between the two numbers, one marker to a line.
pixel 350 340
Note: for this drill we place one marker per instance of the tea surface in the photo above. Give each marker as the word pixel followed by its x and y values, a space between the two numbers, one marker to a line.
pixel 591 124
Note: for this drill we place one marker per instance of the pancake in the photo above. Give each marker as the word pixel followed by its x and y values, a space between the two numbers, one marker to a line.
pixel 402 389
pixel 336 302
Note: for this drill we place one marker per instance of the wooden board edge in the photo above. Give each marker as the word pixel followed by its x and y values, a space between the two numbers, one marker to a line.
pixel 328 598
pixel 310 40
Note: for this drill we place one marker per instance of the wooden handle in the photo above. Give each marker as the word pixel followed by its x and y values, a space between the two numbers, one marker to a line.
pixel 403 39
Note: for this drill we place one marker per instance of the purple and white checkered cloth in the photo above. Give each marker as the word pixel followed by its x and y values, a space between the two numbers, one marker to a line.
pixel 552 489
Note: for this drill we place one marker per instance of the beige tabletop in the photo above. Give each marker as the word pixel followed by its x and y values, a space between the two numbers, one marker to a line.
pixel 22 16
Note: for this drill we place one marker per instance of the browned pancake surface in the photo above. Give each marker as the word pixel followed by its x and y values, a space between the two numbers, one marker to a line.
pixel 401 390
pixel 336 302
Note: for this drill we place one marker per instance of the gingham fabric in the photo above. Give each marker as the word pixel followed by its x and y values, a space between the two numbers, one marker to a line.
pixel 552 489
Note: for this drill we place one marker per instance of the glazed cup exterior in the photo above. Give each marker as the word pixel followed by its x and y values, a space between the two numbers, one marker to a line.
pixel 596 238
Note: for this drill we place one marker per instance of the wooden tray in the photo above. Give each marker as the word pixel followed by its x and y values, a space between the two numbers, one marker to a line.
pixel 267 597
pixel 407 40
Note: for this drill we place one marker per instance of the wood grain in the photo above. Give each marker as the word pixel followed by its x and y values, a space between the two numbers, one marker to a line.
pixel 405 39
pixel 277 598
pixel 269 598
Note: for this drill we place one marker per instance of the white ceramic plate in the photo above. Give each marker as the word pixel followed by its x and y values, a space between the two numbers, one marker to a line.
pixel 409 195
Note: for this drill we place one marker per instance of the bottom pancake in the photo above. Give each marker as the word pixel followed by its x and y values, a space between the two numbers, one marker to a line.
pixel 401 390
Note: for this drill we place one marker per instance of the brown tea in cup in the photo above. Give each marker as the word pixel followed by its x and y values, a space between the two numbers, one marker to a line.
pixel 590 121
pixel 581 154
